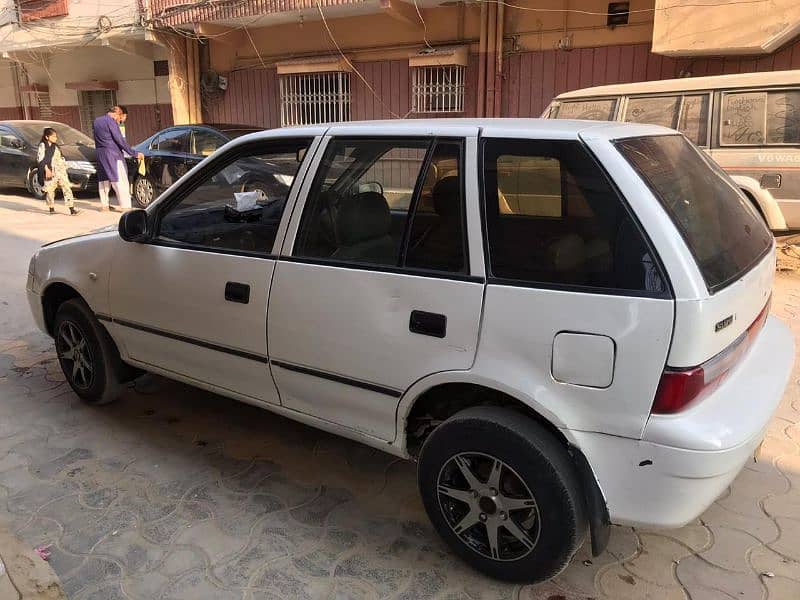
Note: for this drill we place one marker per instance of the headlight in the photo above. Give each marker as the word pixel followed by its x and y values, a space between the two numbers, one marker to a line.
pixel 81 165
pixel 284 179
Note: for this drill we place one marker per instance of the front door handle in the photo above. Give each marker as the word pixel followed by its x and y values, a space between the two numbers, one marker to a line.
pixel 427 323
pixel 237 292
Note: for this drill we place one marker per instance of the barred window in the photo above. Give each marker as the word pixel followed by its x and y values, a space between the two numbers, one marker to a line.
pixel 438 89
pixel 310 98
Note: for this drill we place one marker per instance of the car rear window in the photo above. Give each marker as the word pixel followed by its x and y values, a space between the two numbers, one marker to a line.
pixel 722 229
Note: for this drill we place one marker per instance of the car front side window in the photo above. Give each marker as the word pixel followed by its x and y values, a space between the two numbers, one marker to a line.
pixel 238 203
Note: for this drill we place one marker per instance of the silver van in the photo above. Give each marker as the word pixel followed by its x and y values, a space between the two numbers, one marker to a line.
pixel 748 123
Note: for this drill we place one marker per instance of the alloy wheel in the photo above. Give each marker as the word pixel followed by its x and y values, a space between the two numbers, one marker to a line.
pixel 144 191
pixel 74 355
pixel 488 506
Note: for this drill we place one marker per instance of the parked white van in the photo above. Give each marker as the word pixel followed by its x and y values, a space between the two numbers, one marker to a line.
pixel 748 123
pixel 563 332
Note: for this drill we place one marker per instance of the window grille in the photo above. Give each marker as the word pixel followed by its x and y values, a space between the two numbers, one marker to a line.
pixel 310 98
pixel 438 89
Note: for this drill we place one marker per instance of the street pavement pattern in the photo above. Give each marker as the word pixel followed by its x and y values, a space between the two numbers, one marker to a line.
pixel 173 493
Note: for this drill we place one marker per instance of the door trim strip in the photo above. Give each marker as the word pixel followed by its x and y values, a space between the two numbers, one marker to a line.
pixel 185 339
pixel 372 387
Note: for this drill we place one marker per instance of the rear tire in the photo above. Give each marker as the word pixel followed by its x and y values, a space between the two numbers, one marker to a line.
pixel 87 354
pixel 503 493
pixel 144 191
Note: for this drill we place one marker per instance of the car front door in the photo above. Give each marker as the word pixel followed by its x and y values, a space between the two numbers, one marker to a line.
pixel 192 301
pixel 361 308
pixel 14 161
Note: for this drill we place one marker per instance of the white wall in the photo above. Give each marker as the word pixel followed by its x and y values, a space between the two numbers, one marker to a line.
pixel 134 74
pixel 7 96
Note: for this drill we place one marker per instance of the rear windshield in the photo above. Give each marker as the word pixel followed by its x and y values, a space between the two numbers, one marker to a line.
pixel 722 229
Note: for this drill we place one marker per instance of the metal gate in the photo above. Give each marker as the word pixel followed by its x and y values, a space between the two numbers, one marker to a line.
pixel 92 104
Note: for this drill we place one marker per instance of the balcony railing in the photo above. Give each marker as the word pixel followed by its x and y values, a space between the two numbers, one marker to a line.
pixel 182 12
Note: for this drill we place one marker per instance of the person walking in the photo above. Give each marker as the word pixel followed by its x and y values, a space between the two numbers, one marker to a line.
pixel 111 169
pixel 53 171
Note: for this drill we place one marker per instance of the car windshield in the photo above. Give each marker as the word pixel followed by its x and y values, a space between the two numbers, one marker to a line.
pixel 722 229
pixel 67 136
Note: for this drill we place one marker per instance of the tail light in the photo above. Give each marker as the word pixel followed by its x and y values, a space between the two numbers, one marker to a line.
pixel 679 387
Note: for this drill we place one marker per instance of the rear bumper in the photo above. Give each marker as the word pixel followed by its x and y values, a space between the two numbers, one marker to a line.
pixel 685 461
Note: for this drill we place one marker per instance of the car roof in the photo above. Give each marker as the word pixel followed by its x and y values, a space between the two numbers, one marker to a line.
pixel 18 122
pixel 517 128
pixel 713 82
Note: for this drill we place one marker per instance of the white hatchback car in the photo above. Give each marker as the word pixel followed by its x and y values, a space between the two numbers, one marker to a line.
pixel 565 323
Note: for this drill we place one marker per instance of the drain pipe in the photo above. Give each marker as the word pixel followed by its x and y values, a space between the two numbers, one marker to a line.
pixel 498 79
pixel 481 103
pixel 491 43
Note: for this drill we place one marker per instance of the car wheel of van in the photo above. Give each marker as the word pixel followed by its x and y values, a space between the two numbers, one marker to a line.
pixel 503 493
pixel 34 186
pixel 143 191
pixel 87 354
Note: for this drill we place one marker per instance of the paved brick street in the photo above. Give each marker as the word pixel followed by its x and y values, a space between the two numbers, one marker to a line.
pixel 173 492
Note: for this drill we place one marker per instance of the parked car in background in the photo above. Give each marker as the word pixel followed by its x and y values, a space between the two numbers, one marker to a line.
pixel 565 323
pixel 748 123
pixel 172 152
pixel 19 142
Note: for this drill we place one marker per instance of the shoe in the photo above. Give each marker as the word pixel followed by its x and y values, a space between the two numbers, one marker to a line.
pixel 103 208
pixel 52 210
pixel 73 211
pixel 112 208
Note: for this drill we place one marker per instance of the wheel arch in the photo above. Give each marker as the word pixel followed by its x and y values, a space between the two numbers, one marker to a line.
pixel 53 296
pixel 763 201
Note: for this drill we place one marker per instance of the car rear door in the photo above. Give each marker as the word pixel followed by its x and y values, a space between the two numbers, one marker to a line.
pixel 360 310
pixel 168 157
pixel 192 301
pixel 578 309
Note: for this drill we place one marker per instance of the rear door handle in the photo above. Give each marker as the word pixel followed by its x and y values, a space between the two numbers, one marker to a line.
pixel 427 323
pixel 237 292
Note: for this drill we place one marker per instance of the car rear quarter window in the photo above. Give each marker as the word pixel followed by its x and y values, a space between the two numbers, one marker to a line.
pixel 719 225
pixel 554 220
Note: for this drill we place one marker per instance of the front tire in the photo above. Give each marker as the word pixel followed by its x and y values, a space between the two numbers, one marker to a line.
pixel 503 493
pixel 34 186
pixel 87 354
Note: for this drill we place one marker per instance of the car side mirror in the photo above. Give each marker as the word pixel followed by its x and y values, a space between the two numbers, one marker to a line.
pixel 133 226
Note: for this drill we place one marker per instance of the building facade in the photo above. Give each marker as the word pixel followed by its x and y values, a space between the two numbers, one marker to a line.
pixel 272 63
pixel 282 62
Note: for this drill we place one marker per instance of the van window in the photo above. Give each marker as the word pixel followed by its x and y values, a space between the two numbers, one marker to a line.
pixel 693 121
pixel 553 219
pixel 783 117
pixel 591 110
pixel 686 113
pixel 656 110
pixel 720 227
pixel 760 117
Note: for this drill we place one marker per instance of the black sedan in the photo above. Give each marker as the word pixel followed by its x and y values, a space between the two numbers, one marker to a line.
pixel 19 141
pixel 170 153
